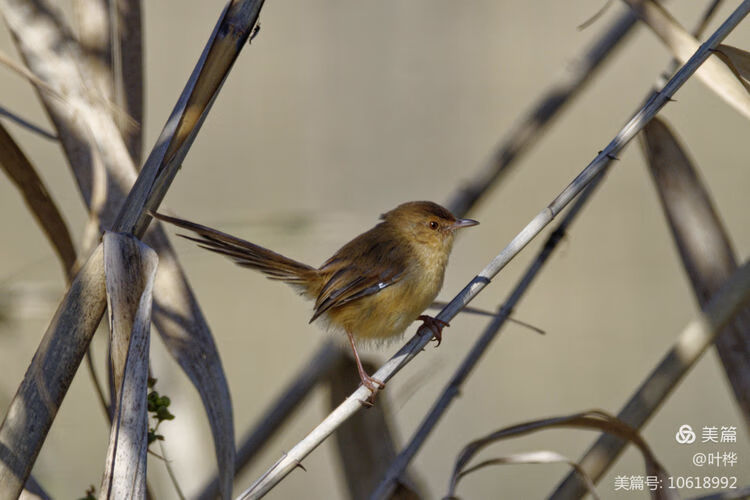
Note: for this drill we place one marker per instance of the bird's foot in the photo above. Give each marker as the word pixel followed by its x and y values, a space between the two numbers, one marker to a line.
pixel 435 325
pixel 374 385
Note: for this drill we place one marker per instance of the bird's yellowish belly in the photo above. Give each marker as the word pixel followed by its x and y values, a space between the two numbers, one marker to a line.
pixel 388 313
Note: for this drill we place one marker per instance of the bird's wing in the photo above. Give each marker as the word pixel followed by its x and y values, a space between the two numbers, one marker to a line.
pixel 374 268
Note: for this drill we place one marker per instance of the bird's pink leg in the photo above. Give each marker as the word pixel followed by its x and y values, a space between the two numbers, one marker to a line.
pixel 371 383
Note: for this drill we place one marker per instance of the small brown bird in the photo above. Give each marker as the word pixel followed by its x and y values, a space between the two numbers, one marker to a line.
pixel 375 285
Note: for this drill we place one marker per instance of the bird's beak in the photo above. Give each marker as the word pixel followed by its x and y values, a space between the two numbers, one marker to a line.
pixel 464 223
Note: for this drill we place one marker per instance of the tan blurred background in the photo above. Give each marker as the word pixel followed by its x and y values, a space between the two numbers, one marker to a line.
pixel 341 110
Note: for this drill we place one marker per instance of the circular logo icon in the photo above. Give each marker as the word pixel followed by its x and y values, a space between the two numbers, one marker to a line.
pixel 685 435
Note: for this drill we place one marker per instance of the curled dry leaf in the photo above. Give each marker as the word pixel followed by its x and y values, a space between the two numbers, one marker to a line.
pixel 738 61
pixel 23 174
pixel 531 457
pixel 591 419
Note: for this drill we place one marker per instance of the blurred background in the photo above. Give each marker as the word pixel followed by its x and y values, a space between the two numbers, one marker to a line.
pixel 339 111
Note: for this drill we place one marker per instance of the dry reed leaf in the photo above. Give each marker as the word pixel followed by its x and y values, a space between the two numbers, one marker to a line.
pixel 89 135
pixel 23 174
pixel 738 61
pixel 703 245
pixel 592 419
pixel 532 457
pixel 130 270
pixel 222 52
pixel 683 45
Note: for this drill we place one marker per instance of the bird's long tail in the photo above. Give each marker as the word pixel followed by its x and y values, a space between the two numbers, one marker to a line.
pixel 273 265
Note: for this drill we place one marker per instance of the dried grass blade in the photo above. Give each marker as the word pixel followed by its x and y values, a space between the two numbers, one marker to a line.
pixel 703 245
pixel 82 117
pixel 130 270
pixel 697 336
pixel 591 419
pixel 738 61
pixel 227 40
pixel 19 169
pixel 683 45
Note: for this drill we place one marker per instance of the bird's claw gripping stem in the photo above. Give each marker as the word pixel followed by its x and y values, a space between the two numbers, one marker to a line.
pixel 435 325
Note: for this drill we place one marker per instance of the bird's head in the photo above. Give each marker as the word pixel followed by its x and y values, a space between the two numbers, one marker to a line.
pixel 427 225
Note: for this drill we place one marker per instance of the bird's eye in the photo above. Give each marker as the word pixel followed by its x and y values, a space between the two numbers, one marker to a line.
pixel 434 225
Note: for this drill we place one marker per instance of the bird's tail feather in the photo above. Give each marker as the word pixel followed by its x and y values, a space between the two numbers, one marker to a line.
pixel 273 265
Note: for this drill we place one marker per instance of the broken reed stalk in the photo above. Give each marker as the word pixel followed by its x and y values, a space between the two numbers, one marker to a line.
pixel 352 404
